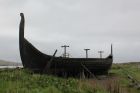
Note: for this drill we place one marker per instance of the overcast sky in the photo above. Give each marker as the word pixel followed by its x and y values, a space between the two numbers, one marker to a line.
pixel 93 24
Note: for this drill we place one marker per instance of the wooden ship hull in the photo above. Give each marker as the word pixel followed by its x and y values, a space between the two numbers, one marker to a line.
pixel 39 62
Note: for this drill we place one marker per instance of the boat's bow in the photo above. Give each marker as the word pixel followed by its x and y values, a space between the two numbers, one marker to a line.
pixel 31 57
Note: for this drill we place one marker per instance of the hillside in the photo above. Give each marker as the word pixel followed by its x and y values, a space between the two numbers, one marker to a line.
pixel 7 63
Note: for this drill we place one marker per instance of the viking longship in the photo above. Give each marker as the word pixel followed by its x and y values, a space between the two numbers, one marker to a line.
pixel 39 62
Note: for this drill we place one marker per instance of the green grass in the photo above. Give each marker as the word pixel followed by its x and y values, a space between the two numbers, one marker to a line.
pixel 120 70
pixel 24 81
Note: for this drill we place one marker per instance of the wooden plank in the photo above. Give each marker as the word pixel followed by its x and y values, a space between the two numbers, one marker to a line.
pixel 48 65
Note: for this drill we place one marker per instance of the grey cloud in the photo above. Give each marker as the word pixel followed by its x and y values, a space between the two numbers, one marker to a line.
pixel 81 24
pixel 9 49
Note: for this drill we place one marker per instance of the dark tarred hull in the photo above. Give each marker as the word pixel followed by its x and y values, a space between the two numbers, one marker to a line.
pixel 35 60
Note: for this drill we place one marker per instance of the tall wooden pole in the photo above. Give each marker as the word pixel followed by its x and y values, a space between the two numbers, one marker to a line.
pixel 65 46
pixel 86 52
pixel 100 53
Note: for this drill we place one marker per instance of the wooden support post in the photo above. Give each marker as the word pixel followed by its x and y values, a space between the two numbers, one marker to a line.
pixel 65 53
pixel 86 52
pixel 84 67
pixel 48 65
pixel 100 53
pixel 83 74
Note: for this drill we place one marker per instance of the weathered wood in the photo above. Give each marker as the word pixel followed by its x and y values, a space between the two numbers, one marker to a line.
pixel 48 65
pixel 133 82
pixel 92 74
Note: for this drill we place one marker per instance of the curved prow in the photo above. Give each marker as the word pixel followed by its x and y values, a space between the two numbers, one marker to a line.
pixel 21 36
pixel 111 54
pixel 31 57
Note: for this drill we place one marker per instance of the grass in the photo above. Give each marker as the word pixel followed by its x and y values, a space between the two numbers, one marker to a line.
pixel 120 70
pixel 24 81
